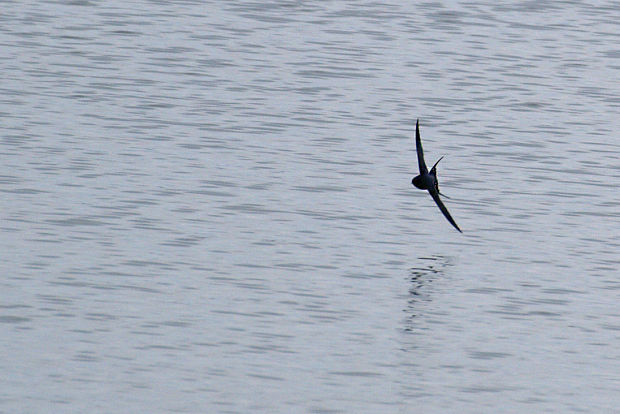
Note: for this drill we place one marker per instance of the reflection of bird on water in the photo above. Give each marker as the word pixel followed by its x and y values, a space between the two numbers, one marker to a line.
pixel 421 278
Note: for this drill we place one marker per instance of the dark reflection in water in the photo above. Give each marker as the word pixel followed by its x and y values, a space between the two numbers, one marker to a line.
pixel 421 277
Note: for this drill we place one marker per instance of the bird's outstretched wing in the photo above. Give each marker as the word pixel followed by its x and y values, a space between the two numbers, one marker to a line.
pixel 442 207
pixel 418 146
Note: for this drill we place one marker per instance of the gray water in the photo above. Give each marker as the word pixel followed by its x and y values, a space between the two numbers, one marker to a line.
pixel 207 207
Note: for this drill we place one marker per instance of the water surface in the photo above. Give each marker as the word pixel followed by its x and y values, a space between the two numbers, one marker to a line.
pixel 206 207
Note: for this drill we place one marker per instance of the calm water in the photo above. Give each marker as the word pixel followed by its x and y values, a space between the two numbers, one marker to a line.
pixel 207 208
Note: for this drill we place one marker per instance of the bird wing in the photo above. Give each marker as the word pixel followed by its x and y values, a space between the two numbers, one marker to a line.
pixel 442 207
pixel 418 146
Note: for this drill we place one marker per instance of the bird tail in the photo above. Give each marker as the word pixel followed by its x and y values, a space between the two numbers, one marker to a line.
pixel 433 170
pixel 443 195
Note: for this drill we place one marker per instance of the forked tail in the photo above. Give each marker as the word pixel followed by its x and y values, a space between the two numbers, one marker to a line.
pixel 434 170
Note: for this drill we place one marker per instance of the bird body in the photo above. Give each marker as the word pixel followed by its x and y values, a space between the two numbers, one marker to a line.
pixel 424 182
pixel 427 180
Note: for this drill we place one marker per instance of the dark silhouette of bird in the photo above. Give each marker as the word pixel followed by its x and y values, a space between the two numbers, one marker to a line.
pixel 428 180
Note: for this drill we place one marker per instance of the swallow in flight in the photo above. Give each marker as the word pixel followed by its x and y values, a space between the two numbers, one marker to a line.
pixel 428 180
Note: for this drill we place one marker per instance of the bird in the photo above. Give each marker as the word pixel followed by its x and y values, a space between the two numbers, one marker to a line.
pixel 428 180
